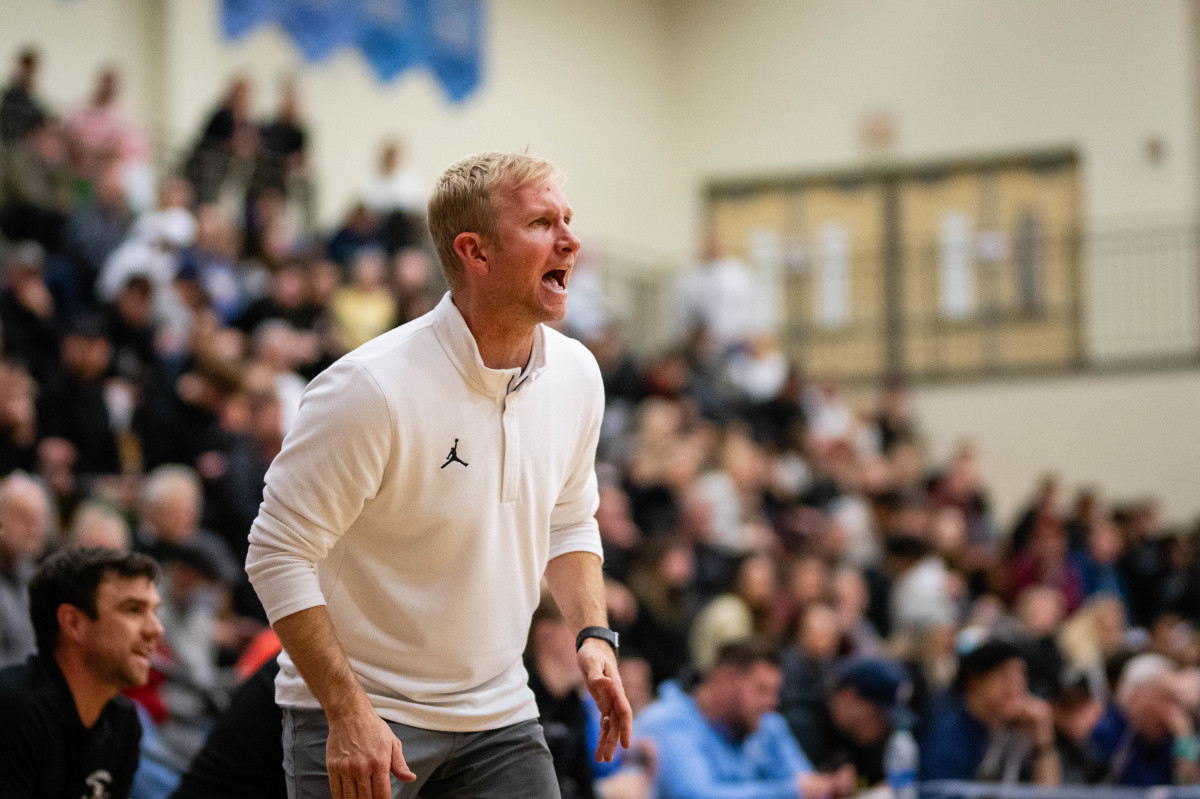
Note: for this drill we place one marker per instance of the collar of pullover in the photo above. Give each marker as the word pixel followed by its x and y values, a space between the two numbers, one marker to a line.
pixel 456 339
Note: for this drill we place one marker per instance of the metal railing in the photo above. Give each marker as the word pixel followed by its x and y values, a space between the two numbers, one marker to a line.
pixel 1106 299
pixel 961 789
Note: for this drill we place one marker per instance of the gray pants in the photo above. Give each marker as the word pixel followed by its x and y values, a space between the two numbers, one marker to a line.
pixel 493 764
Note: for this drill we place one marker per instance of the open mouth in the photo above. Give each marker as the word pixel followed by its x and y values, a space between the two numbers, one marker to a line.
pixel 556 279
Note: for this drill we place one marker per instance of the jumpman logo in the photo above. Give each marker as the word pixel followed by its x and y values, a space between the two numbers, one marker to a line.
pixel 453 456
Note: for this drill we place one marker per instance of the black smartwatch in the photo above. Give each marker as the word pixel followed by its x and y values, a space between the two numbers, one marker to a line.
pixel 603 633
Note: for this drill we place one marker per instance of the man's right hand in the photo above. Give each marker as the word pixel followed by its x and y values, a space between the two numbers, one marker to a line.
pixel 361 756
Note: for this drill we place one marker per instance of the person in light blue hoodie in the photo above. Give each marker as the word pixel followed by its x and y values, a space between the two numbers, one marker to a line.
pixel 725 740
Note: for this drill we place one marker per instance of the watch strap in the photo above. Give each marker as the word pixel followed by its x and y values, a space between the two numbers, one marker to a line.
pixel 603 633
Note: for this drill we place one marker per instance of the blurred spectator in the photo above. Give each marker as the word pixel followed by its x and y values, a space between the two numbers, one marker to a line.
pixel 1076 711
pixel 360 230
pixel 806 582
pixel 1148 735
pixel 720 296
pixel 1045 562
pixel 227 143
pixel 733 496
pixel 851 598
pixel 993 730
pixel 830 417
pixel 283 146
pixel 76 407
pixel 1088 512
pixel 1144 561
pixel 104 140
pixel 760 370
pixel 278 350
pixel 153 249
pixel 1098 562
pixel 924 592
pixel 365 308
pixel 1044 505
pixel 18 417
pixel 20 110
pixel 1094 634
pixel 93 230
pixel 210 261
pixel 35 186
pixel 893 422
pixel 962 486
pixel 98 525
pixel 288 298
pixel 238 492
pixel 726 739
pixel 185 425
pixel 618 534
pixel 24 529
pixel 810 661
pixel 131 329
pixel 666 458
pixel 394 186
pixel 271 234
pixel 394 194
pixel 31 330
pixel 852 722
pixel 662 580
pixel 736 614
pixel 1040 613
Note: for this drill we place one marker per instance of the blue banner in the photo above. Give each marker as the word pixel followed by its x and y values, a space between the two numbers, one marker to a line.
pixel 319 27
pixel 456 46
pixel 239 17
pixel 393 35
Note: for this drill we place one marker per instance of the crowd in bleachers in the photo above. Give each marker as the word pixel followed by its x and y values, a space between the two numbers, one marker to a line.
pixel 156 342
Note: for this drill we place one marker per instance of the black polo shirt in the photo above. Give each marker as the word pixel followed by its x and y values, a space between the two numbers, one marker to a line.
pixel 47 753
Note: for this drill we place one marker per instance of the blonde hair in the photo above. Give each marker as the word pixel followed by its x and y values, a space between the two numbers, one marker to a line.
pixel 464 197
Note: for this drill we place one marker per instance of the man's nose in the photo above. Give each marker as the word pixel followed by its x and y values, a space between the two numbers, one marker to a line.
pixel 570 242
pixel 154 626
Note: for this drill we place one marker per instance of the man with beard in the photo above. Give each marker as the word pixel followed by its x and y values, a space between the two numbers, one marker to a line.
pixel 725 738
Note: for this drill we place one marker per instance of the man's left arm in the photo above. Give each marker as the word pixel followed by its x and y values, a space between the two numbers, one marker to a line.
pixel 575 575
pixel 577 583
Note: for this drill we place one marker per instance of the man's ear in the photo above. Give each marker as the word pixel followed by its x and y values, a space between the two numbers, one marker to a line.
pixel 470 250
pixel 71 621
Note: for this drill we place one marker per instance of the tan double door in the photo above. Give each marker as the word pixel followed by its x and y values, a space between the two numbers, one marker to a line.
pixel 945 270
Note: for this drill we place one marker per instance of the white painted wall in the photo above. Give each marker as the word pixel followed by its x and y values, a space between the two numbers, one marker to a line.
pixel 1131 436
pixel 771 85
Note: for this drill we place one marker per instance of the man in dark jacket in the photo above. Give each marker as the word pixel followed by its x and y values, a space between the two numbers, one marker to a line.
pixel 67 731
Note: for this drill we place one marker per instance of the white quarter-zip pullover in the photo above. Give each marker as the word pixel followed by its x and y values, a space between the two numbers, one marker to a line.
pixel 419 496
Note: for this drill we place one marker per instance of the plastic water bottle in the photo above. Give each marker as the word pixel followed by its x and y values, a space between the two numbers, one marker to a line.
pixel 900 759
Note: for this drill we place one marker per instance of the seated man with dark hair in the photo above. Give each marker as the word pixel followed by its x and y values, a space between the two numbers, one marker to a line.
pixel 852 723
pixel 993 729
pixel 725 740
pixel 67 732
